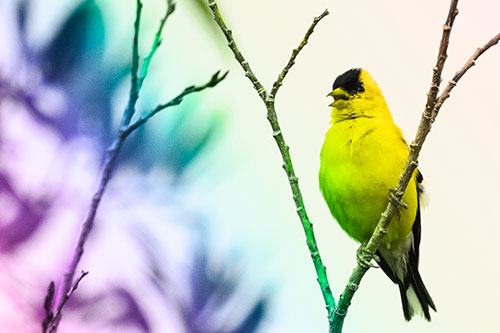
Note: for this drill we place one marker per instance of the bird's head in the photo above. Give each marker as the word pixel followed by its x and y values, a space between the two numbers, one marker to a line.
pixel 354 85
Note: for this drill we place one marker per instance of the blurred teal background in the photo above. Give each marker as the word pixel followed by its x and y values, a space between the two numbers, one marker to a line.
pixel 198 232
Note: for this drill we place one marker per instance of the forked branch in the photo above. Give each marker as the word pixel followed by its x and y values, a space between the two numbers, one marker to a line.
pixel 268 99
pixel 51 319
pixel 431 110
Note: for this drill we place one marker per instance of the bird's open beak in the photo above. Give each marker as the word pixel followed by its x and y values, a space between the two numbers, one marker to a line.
pixel 338 94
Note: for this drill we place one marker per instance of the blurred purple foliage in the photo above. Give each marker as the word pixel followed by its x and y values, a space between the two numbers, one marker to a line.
pixel 73 63
pixel 207 289
pixel 129 313
pixel 72 60
pixel 31 213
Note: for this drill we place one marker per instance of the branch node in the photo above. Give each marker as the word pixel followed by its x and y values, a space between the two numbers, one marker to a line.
pixel 353 286
pixel 394 198
pixel 340 312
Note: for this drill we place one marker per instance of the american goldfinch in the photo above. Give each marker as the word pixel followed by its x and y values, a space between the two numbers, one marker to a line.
pixel 362 158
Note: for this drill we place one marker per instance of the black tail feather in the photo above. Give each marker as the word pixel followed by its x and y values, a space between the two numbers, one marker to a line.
pixel 403 286
pixel 412 274
pixel 423 296
pixel 412 278
pixel 404 301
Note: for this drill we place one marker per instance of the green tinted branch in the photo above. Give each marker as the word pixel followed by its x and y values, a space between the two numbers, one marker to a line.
pixel 134 91
pixel 214 80
pixel 279 81
pixel 156 43
pixel 284 149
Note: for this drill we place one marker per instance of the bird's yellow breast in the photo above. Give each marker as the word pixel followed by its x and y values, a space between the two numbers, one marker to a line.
pixel 361 159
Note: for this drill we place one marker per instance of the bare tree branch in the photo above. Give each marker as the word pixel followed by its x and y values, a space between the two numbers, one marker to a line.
pixel 458 75
pixel 137 81
pixel 112 152
pixel 47 306
pixel 442 56
pixel 156 43
pixel 214 80
pixel 268 100
pixel 56 316
pixel 279 81
pixel 237 54
pixel 134 91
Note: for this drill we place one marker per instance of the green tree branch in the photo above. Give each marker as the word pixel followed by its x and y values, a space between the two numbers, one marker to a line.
pixel 268 99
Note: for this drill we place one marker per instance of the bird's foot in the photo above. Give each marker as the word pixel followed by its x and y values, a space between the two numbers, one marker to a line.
pixel 364 257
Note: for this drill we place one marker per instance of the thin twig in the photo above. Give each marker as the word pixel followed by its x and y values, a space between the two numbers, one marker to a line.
pixel 295 52
pixel 137 81
pixel 268 100
pixel 214 80
pixel 237 54
pixel 396 195
pixel 47 306
pixel 88 223
pixel 56 316
pixel 458 75
pixel 156 43
pixel 114 149
pixel 112 152
pixel 134 91
pixel 442 56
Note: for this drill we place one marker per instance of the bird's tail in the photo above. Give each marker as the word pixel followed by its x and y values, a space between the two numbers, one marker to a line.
pixel 414 296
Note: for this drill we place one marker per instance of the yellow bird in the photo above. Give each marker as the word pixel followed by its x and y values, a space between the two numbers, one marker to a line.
pixel 362 158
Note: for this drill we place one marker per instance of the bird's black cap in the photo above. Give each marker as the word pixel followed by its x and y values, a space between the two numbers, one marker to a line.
pixel 349 81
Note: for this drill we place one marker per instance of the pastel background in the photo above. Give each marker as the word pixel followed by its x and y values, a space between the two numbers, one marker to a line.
pixel 198 232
